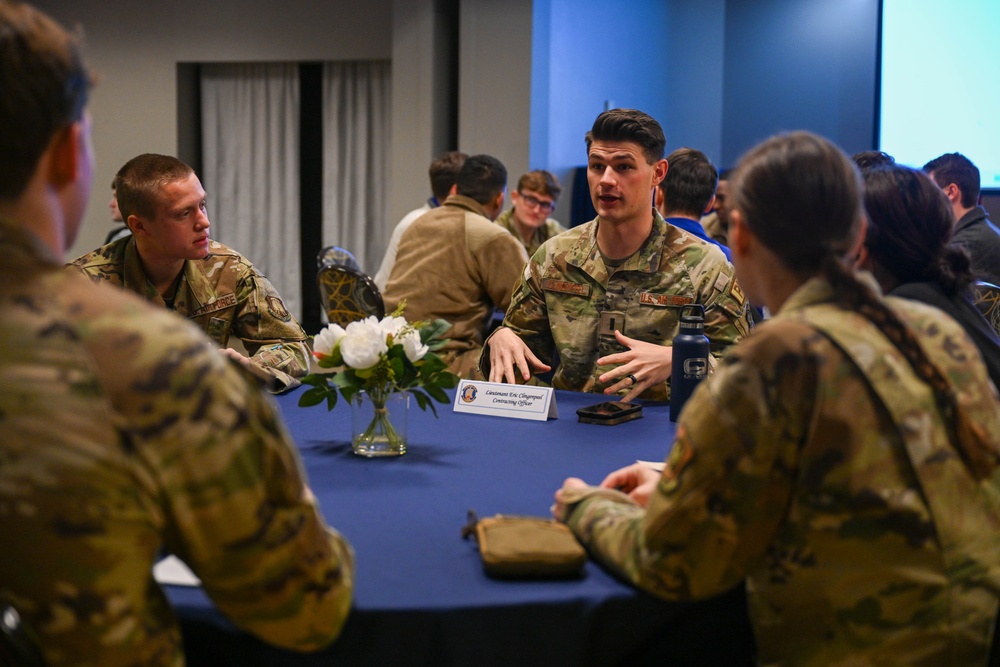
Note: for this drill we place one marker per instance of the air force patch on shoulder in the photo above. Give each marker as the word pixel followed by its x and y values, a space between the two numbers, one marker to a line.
pixel 277 309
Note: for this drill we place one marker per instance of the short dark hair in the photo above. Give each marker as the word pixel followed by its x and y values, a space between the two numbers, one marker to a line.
pixel 45 86
pixel 482 178
pixel 910 227
pixel 690 182
pixel 629 125
pixel 958 169
pixel 141 179
pixel 444 173
pixel 541 181
pixel 868 160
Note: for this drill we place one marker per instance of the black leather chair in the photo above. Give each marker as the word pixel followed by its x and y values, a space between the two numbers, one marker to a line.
pixel 336 256
pixel 17 647
pixel 986 296
pixel 348 295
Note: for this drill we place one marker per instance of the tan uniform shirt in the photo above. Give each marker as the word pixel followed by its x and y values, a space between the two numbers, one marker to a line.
pixel 455 264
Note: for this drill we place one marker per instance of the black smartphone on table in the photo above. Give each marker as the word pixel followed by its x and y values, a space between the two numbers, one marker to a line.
pixel 609 413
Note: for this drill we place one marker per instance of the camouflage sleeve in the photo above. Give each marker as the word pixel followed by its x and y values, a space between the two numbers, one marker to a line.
pixel 235 505
pixel 527 315
pixel 726 310
pixel 271 335
pixel 725 487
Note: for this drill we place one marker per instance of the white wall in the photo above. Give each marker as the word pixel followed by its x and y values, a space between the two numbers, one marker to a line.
pixel 494 108
pixel 135 47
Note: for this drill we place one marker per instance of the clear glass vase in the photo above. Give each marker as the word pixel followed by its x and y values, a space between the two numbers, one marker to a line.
pixel 378 423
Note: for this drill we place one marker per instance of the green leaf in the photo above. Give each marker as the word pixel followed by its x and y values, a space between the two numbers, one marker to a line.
pixel 434 331
pixel 346 379
pixel 424 402
pixel 316 380
pixel 398 368
pixel 432 363
pixel 437 393
pixel 312 397
pixel 350 392
pixel 448 380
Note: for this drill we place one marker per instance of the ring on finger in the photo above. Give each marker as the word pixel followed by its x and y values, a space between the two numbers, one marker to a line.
pixel 632 378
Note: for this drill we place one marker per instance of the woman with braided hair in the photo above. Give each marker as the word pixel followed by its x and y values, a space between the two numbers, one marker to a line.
pixel 841 463
pixel 908 250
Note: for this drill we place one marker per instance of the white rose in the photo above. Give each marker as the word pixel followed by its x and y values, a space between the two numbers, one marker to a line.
pixel 323 344
pixel 327 339
pixel 363 344
pixel 414 349
pixel 391 325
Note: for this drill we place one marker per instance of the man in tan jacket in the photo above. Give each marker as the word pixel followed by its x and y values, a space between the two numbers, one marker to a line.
pixel 453 263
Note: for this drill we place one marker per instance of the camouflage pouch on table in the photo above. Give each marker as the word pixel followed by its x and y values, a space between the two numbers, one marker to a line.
pixel 525 547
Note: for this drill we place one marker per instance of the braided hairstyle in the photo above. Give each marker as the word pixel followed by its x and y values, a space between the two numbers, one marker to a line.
pixel 801 197
pixel 910 228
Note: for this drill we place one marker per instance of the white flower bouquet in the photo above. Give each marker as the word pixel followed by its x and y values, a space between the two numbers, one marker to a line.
pixel 380 358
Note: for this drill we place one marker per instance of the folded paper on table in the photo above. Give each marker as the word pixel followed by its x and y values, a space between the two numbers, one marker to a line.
pixel 172 571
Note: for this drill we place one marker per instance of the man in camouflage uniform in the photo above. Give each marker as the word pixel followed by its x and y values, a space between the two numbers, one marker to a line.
pixel 818 465
pixel 170 260
pixel 607 295
pixel 124 433
pixel 533 200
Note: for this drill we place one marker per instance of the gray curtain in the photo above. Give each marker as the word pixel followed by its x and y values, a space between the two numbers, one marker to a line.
pixel 250 144
pixel 356 122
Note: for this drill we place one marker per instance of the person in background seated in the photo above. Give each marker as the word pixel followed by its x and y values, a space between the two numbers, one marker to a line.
pixel 907 248
pixel 687 192
pixel 124 434
pixel 959 179
pixel 606 296
pixel 843 461
pixel 533 201
pixel 116 216
pixel 455 264
pixel 170 260
pixel 716 221
pixel 869 160
pixel 444 173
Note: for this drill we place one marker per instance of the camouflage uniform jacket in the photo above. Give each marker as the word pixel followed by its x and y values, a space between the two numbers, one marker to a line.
pixel 827 481
pixel 542 234
pixel 455 264
pixel 568 301
pixel 125 433
pixel 224 295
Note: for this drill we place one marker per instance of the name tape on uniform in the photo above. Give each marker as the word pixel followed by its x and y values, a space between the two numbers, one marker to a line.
pixel 506 400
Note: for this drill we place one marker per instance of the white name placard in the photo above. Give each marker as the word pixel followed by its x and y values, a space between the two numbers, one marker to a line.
pixel 506 400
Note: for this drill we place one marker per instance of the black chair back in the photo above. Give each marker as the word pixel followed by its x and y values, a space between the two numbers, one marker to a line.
pixel 986 297
pixel 336 256
pixel 348 295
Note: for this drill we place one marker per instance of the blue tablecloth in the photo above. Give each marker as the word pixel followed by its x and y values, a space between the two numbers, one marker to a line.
pixel 421 594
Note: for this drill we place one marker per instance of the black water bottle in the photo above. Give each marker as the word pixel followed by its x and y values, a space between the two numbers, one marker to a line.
pixel 690 358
